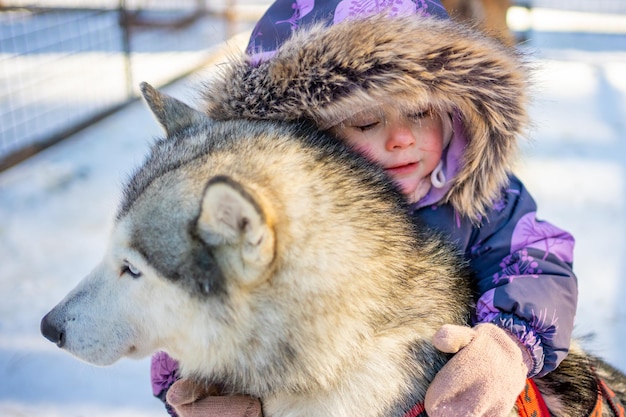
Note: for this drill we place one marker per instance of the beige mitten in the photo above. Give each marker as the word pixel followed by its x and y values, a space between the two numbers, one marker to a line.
pixel 483 378
pixel 190 399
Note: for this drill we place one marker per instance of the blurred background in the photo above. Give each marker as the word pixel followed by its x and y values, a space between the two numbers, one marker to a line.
pixel 72 129
pixel 67 63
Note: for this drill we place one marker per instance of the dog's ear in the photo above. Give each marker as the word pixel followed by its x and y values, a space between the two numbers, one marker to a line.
pixel 173 115
pixel 230 217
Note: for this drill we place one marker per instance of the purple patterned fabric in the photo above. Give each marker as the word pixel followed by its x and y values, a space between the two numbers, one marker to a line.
pixel 531 233
pixel 486 312
pixel 523 269
pixel 516 265
pixel 163 373
pixel 354 9
pixel 285 16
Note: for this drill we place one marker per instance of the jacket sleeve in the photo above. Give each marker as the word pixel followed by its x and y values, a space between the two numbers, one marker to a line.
pixel 524 274
pixel 163 373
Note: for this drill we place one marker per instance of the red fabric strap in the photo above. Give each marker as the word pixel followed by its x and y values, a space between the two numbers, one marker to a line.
pixel 530 403
pixel 416 410
pixel 611 399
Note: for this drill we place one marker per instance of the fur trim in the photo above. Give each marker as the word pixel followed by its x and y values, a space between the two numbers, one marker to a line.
pixel 328 73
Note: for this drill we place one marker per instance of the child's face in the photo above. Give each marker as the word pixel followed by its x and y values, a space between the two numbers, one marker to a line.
pixel 407 144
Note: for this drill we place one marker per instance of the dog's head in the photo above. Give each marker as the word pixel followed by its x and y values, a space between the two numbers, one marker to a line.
pixel 207 237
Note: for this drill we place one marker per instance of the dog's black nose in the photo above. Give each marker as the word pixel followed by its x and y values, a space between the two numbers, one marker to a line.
pixel 51 331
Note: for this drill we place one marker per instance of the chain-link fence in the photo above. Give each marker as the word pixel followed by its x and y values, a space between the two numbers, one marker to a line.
pixel 66 63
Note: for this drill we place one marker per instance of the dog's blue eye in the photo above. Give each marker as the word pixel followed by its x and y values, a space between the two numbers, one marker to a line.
pixel 131 270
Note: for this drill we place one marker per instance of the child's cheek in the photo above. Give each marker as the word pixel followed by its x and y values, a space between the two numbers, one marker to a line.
pixel 367 151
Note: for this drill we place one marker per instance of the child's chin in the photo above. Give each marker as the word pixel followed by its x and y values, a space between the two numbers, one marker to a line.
pixel 414 190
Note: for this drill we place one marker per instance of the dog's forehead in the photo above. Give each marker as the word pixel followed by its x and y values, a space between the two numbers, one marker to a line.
pixel 159 219
pixel 166 155
pixel 120 250
pixel 160 227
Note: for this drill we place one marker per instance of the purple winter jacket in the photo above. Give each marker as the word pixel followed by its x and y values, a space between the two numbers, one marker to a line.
pixel 523 266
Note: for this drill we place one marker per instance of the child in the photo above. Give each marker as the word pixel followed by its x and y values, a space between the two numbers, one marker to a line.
pixel 440 107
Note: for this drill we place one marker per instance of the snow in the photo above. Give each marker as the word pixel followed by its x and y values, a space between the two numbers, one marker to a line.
pixel 56 211
pixel 575 166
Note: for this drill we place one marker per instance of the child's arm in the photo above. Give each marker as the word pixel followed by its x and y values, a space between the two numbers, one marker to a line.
pixel 527 296
pixel 186 398
pixel 525 278
pixel 523 270
pixel 163 373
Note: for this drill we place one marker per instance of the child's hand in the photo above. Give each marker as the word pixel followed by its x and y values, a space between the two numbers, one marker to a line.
pixel 190 399
pixel 483 378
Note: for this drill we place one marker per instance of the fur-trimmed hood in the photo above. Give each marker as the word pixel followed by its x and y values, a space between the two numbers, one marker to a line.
pixel 328 73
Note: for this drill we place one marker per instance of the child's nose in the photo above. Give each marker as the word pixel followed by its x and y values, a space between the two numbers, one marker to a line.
pixel 400 137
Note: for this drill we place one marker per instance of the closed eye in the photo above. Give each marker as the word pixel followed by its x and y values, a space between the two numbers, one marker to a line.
pixel 129 269
pixel 367 127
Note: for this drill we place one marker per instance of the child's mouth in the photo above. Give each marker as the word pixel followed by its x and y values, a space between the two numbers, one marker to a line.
pixel 400 170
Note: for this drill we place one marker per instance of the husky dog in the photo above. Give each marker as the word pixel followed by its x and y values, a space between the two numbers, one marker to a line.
pixel 274 260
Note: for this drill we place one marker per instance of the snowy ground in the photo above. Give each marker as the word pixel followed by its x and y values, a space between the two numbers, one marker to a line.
pixel 56 209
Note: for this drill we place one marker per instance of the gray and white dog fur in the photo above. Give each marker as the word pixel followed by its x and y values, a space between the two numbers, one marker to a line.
pixel 270 258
